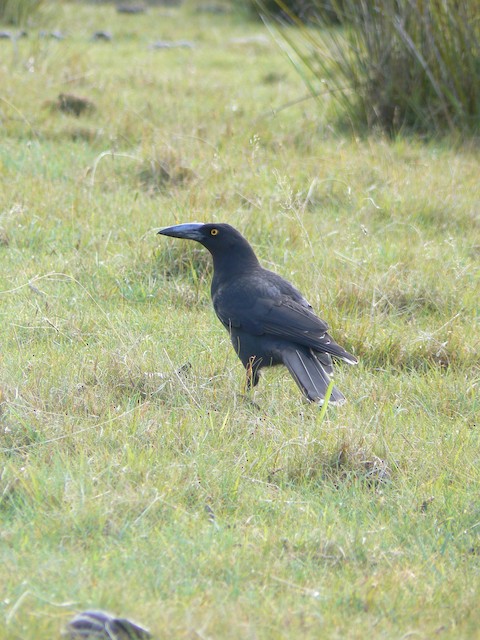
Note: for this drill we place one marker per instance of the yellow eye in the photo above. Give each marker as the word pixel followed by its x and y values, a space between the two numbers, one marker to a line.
pixel 214 232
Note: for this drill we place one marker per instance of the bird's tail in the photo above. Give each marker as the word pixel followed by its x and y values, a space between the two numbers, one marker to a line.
pixel 311 375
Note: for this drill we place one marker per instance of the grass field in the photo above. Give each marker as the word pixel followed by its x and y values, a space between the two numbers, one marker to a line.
pixel 132 483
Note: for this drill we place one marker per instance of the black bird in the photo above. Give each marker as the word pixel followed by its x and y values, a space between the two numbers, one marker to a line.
pixel 268 319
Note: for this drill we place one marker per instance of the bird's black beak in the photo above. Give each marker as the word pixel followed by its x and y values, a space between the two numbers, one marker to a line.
pixel 187 230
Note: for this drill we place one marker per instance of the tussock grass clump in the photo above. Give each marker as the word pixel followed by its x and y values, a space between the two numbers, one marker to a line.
pixel 18 12
pixel 307 10
pixel 350 462
pixel 409 65
pixel 165 171
pixel 72 105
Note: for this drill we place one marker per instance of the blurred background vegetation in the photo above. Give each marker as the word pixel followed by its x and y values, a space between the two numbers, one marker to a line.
pixel 18 12
pixel 394 65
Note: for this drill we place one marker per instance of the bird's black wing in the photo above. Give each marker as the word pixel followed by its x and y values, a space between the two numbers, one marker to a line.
pixel 289 319
pixel 271 306
pixel 247 301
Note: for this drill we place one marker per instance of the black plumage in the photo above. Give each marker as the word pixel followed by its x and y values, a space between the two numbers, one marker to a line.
pixel 268 319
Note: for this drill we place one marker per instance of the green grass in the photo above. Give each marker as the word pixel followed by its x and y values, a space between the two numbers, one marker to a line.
pixel 160 494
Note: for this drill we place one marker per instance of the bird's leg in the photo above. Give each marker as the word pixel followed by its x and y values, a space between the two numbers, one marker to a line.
pixel 252 374
pixel 249 376
pixel 251 380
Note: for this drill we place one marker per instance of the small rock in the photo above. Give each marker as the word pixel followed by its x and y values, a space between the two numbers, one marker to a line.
pixel 215 9
pixel 263 40
pixel 102 35
pixel 172 44
pixel 103 626
pixel 131 8
pixel 8 35
pixel 56 35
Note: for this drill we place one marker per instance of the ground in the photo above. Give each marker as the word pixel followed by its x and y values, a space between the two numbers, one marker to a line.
pixel 134 475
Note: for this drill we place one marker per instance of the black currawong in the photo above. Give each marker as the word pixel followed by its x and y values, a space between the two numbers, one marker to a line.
pixel 268 319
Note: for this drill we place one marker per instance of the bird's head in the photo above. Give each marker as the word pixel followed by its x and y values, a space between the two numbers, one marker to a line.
pixel 203 233
pixel 222 240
